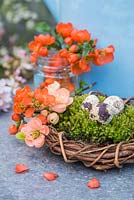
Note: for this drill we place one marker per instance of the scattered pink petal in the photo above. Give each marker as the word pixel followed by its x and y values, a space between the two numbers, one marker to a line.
pixel 93 183
pixel 50 176
pixel 20 168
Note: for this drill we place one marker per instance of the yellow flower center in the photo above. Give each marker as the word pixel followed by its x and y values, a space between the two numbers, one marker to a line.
pixel 102 53
pixel 35 134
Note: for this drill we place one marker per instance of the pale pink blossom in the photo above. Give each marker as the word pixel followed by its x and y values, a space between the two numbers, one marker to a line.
pixel 5 95
pixel 62 97
pixel 63 100
pixel 52 88
pixel 35 133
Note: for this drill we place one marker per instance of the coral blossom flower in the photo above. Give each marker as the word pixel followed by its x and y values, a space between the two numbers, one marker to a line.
pixel 103 56
pixel 35 133
pixel 64 29
pixel 68 40
pixel 80 35
pixel 42 51
pixel 73 58
pixel 73 48
pixel 34 46
pixel 84 65
pixel 22 99
pixel 44 39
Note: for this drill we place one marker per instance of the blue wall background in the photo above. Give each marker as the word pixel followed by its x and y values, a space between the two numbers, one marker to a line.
pixel 112 22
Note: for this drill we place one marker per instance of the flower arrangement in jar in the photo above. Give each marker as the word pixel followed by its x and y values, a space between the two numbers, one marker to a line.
pixel 68 52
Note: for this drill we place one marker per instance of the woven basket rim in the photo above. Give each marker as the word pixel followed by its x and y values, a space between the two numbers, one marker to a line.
pixel 99 157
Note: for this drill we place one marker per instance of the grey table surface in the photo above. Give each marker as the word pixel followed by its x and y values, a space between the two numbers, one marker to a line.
pixel 71 184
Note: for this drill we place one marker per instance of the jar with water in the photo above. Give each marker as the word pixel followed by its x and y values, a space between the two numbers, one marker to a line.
pixel 53 68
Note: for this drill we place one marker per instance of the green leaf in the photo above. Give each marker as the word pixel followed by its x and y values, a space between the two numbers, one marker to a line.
pixel 43 27
pixel 82 83
pixel 85 48
pixel 20 136
pixel 85 44
pixel 18 124
pixel 59 38
pixel 91 42
pixel 81 87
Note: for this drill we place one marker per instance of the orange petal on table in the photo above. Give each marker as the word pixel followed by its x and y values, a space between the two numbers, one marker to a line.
pixel 93 183
pixel 50 176
pixel 20 168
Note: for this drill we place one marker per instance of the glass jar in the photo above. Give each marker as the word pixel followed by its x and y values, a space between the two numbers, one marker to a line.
pixel 52 68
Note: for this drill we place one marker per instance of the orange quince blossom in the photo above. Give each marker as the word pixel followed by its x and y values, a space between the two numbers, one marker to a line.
pixel 63 53
pixel 22 100
pixel 80 67
pixel 75 68
pixel 64 29
pixel 103 56
pixel 73 58
pixel 68 40
pixel 23 93
pixel 35 133
pixel 73 48
pixel 34 46
pixel 42 51
pixel 44 39
pixel 44 97
pixel 80 35
pixel 84 65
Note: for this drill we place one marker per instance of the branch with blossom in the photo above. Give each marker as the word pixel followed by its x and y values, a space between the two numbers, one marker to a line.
pixel 77 48
pixel 6 89
pixel 35 110
pixel 14 63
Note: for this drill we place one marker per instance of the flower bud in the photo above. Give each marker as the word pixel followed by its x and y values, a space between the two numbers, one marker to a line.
pixel 73 58
pixel 53 118
pixel 16 117
pixel 73 48
pixel 13 129
pixel 44 112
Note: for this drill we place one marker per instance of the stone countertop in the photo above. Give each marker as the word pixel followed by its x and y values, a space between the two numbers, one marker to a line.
pixel 71 184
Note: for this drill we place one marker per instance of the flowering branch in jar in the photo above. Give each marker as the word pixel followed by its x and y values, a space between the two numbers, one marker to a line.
pixel 76 47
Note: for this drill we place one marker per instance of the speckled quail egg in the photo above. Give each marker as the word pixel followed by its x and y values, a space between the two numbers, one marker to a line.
pixel 102 113
pixel 89 101
pixel 116 102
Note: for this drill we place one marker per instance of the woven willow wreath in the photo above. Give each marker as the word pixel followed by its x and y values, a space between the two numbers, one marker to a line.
pixel 100 157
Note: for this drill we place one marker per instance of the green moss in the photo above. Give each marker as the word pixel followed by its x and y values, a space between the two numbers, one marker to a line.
pixel 77 124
